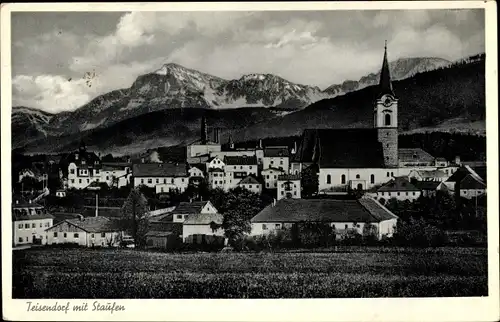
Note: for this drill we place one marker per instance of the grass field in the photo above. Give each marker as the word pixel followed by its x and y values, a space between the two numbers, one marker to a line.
pixel 371 272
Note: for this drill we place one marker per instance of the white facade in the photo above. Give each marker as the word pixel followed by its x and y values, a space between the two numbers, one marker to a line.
pixel 195 172
pixel 233 174
pixel 216 179
pixel 471 193
pixel 385 227
pixel 25 231
pixel 80 178
pixel 180 183
pixel 216 162
pixel 188 230
pixel 330 179
pixel 197 150
pixel 271 177
pixel 399 195
pixel 282 163
pixel 253 187
pixel 289 189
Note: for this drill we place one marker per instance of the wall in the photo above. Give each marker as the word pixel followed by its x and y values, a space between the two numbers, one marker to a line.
pixel 97 239
pixel 233 153
pixel 382 175
pixel 152 182
pixel 195 150
pixel 255 188
pixel 27 233
pixel 470 193
pixel 271 178
pixel 295 190
pixel 215 163
pixel 277 162
pixel 195 172
pixel 69 230
pixel 231 181
pixel 403 195
pixel 258 229
pixel 188 230
pixel 216 179
pixel 386 227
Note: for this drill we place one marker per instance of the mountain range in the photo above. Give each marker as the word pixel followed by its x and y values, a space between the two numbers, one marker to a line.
pixel 178 96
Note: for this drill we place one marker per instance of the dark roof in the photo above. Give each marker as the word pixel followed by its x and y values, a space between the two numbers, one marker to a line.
pixel 342 148
pixel 159 170
pixel 377 210
pixel 240 160
pixel 414 155
pixel 61 216
pixel 249 180
pixel 203 219
pixel 89 211
pixel 18 216
pixel 481 171
pixel 89 157
pixel 322 210
pixel 157 233
pixel 215 170
pixel 189 207
pixel 163 218
pixel 276 152
pixel 398 184
pixel 461 173
pixel 22 202
pixel 470 182
pixel 385 84
pixel 92 224
pixel 440 159
pixel 290 177
pixel 199 166
pixel 427 185
pixel 273 169
pixel 109 166
pixel 431 173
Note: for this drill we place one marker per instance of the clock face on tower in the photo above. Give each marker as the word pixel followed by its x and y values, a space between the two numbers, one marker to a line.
pixel 387 100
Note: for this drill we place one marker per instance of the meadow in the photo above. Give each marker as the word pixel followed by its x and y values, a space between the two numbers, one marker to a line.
pixel 354 273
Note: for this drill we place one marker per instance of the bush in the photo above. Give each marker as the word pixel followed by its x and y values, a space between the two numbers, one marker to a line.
pixel 418 233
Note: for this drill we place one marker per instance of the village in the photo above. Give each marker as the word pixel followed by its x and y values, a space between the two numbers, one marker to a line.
pixel 345 184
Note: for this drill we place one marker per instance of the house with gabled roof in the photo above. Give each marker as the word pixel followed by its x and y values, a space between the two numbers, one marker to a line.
pixel 29 221
pixel 471 186
pixel 453 182
pixel 277 157
pixel 342 215
pixel 289 186
pixel 164 177
pixel 430 188
pixel 86 231
pixel 428 175
pixel 237 168
pixel 399 188
pixel 252 184
pixel 270 176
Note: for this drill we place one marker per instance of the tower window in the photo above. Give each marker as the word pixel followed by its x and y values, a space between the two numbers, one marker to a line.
pixel 328 179
pixel 387 120
pixel 372 179
pixel 357 176
pixel 343 179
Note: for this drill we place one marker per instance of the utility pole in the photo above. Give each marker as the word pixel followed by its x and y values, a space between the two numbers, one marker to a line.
pixel 96 205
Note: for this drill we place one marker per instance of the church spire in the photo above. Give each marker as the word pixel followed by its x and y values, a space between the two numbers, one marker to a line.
pixel 385 76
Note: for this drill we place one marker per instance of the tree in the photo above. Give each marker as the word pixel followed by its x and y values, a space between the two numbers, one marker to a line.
pixel 310 180
pixel 134 216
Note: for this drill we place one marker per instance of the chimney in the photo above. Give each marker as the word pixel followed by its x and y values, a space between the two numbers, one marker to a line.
pixel 274 202
pixel 17 202
pixel 294 150
pixel 260 143
pixel 457 160
pixel 76 156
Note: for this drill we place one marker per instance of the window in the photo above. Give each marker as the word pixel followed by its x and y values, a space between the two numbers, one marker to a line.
pixel 20 226
pixel 282 193
pixel 277 226
pixel 72 180
pixel 157 180
pixel 387 120
pixel 182 179
pixel 241 167
pixel 162 190
pixel 399 193
pixel 250 167
pixel 172 181
pixel 92 235
pixel 27 226
pixel 164 180
pixel 79 180
pixel 392 174
pixel 388 175
pixel 76 235
pixel 295 193
pixel 55 234
pixel 281 162
pixel 275 184
pixel 65 235
pixel 407 193
pixel 372 179
pixel 328 179
pixel 414 193
pixel 179 216
pixel 342 180
pixel 103 235
pixel 382 193
pixel 250 186
pixel 387 145
pixel 20 239
pixel 357 176
pixel 267 184
pixel 142 180
pixel 41 225
pixel 88 180
pixel 346 226
pixel 72 171
pixel 264 227
pixel 150 180
pixel 275 177
pixel 267 176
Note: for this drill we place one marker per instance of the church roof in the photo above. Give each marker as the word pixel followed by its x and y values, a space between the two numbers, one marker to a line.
pixel 342 148
pixel 414 155
pixel 385 76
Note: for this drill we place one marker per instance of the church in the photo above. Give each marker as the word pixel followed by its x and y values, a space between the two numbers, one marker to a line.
pixel 359 158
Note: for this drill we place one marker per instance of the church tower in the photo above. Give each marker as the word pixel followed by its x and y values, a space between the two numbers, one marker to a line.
pixel 386 115
pixel 204 131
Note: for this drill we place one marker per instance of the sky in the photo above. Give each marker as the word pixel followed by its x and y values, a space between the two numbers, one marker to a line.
pixel 60 61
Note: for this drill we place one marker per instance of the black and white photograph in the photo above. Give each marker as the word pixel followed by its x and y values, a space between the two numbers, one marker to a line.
pixel 247 154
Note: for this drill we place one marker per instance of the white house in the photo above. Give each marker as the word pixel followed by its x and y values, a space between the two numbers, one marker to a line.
pixel 215 162
pixel 270 176
pixel 340 214
pixel 237 168
pixel 86 231
pixel 430 188
pixel 251 184
pixel 29 221
pixel 399 188
pixel 116 174
pixel 216 178
pixel 83 168
pixel 471 187
pixel 428 175
pixel 164 177
pixel 289 186
pixel 277 157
